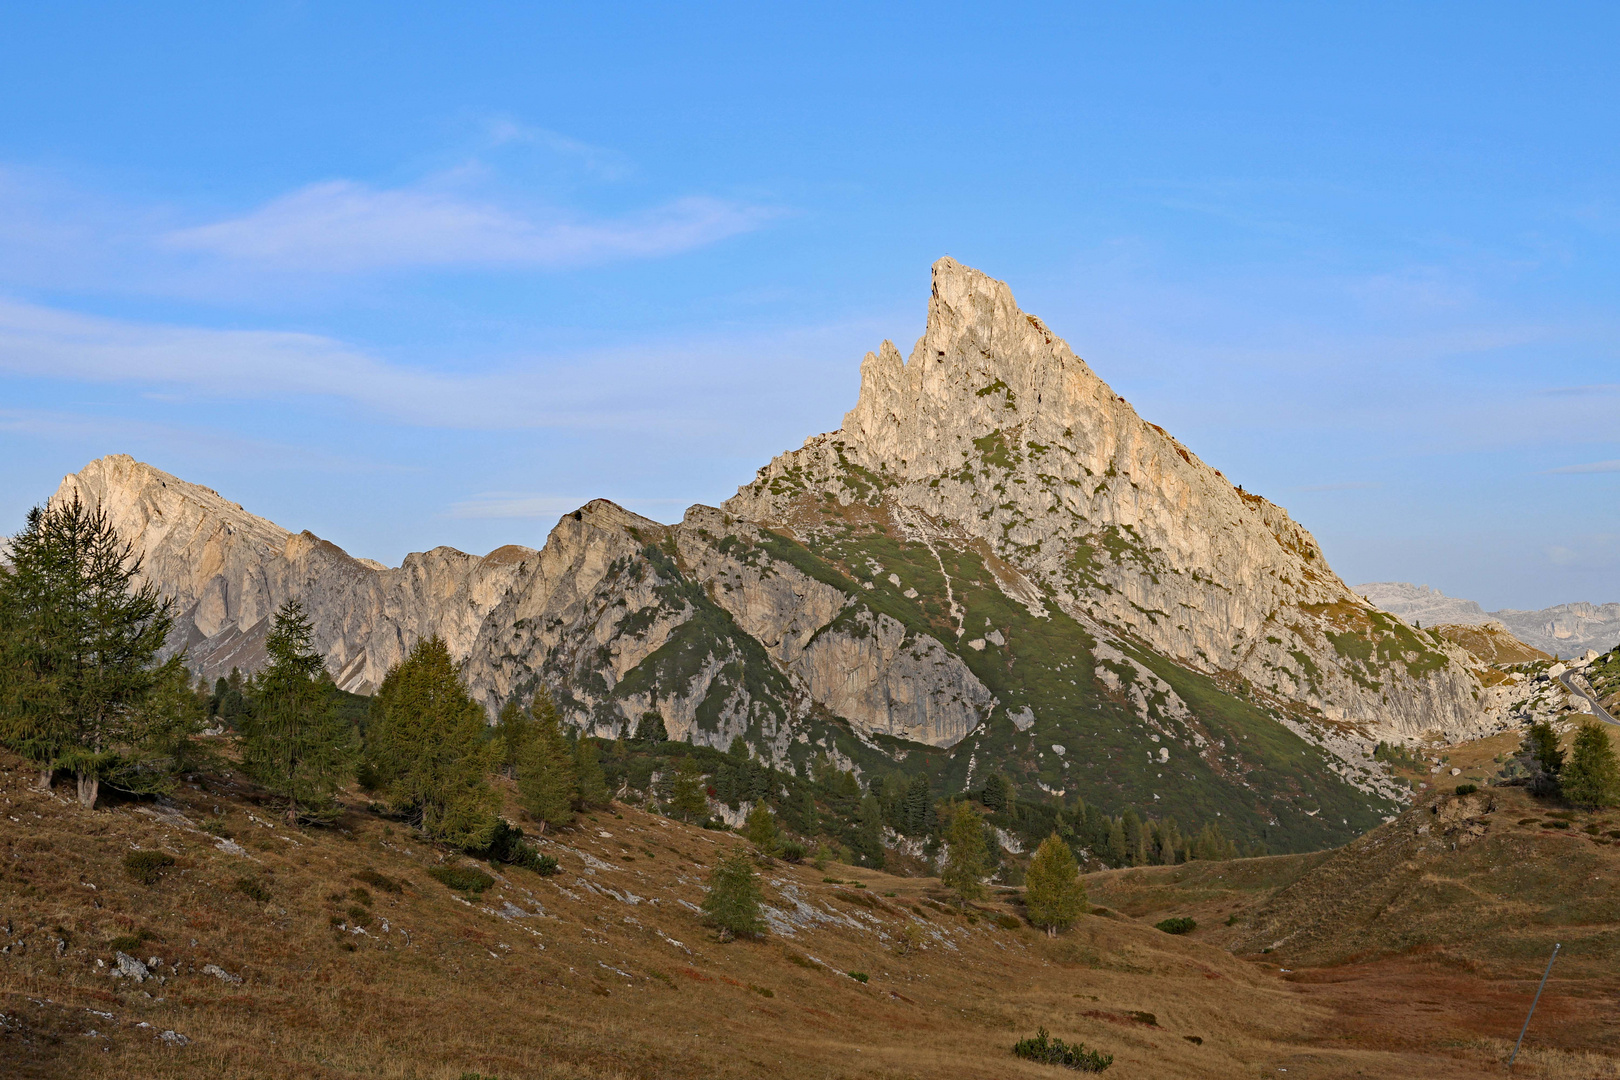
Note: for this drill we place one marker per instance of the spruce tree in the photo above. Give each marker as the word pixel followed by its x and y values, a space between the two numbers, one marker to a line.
pixel 1591 779
pixel 868 840
pixel 918 800
pixel 78 640
pixel 1052 887
pixel 995 793
pixel 545 767
pixel 967 859
pixel 590 784
pixel 427 746
pixel 760 828
pixel 293 740
pixel 733 899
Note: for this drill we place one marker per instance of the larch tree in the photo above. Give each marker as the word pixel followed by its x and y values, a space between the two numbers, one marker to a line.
pixel 78 644
pixel 1591 778
pixel 1053 892
pixel 733 900
pixel 689 799
pixel 590 783
pixel 293 740
pixel 512 727
pixel 545 767
pixel 760 828
pixel 967 857
pixel 428 748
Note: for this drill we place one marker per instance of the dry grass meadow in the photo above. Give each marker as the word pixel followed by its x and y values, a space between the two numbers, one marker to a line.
pixel 606 971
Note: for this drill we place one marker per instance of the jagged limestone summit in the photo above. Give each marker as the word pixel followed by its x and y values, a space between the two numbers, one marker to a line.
pixel 995 564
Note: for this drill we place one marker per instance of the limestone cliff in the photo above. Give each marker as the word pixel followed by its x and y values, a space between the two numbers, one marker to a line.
pixel 994 433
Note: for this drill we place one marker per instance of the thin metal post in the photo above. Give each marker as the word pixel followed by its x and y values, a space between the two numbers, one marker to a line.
pixel 1534 1003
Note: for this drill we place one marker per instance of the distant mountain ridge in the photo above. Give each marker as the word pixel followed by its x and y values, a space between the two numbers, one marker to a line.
pixel 995 564
pixel 1565 631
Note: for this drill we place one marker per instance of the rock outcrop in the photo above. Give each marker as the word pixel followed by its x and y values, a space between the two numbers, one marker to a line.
pixel 995 433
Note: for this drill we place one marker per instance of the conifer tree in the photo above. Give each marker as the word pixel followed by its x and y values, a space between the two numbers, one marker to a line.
pixel 688 799
pixel 760 828
pixel 1118 852
pixel 733 899
pixel 590 784
pixel 918 800
pixel 967 860
pixel 427 746
pixel 546 778
pixel 77 643
pixel 868 842
pixel 512 726
pixel 995 793
pixel 1591 779
pixel 1052 887
pixel 1543 756
pixel 293 740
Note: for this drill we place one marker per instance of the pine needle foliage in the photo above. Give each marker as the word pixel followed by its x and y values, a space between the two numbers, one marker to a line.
pixel 427 747
pixel 968 858
pixel 545 767
pixel 1052 889
pixel 733 899
pixel 1591 778
pixel 79 640
pixel 293 740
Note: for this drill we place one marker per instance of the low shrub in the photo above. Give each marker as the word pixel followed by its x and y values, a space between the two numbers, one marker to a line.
pixel 859 976
pixel 1467 789
pixel 360 896
pixel 462 878
pixel 1006 922
pixel 1050 1051
pixel 148 867
pixel 800 960
pixel 128 943
pixel 793 851
pixel 1177 925
pixel 378 881
pixel 253 889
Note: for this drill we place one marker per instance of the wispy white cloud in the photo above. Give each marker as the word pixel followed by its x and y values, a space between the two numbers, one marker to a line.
pixel 706 390
pixel 342 225
pixel 1589 467
pixel 600 161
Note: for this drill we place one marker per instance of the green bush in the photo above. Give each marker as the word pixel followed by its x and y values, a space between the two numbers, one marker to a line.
pixel 733 899
pixel 253 890
pixel 148 867
pixel 1178 925
pixel 462 878
pixel 1049 1051
pixel 128 943
pixel 378 881
pixel 1467 789
pixel 859 976
pixel 793 851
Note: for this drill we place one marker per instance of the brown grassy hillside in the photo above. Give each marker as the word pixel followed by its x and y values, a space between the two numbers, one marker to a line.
pixel 601 971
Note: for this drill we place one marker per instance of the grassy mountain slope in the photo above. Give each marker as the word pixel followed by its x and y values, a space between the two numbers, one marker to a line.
pixel 603 971
pixel 1208 756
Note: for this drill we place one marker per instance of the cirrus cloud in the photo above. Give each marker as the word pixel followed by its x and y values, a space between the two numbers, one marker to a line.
pixel 343 225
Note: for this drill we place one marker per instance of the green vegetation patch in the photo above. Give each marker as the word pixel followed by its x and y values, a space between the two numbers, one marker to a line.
pixel 462 879
pixel 1049 1051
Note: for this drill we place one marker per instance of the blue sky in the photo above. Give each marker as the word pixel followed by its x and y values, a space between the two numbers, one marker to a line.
pixel 410 275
